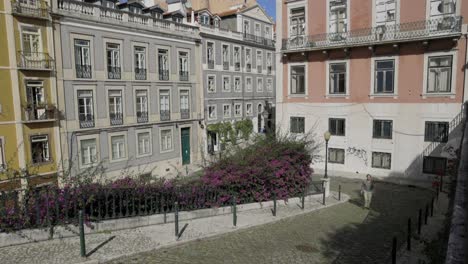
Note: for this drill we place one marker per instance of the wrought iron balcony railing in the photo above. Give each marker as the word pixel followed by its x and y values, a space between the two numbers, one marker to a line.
pixel 165 115
pixel 184 76
pixel 225 65
pixel 210 64
pixel 142 117
pixel 412 31
pixel 184 113
pixel 113 72
pixel 163 75
pixel 86 121
pixel 259 40
pixel 116 119
pixel 36 113
pixel 140 74
pixel 83 71
pixel 35 61
pixel 37 8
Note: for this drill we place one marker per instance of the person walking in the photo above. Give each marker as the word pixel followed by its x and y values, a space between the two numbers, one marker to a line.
pixel 367 188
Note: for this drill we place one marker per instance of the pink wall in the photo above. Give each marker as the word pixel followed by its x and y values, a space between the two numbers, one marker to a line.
pixel 413 10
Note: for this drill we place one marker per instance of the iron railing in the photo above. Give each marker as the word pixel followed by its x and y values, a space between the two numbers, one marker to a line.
pixel 86 121
pixel 39 113
pixel 163 75
pixel 35 61
pixel 184 76
pixel 259 40
pixel 113 72
pixel 83 71
pixel 210 64
pixel 37 9
pixel 420 30
pixel 142 117
pixel 140 74
pixel 165 115
pixel 116 119
pixel 184 113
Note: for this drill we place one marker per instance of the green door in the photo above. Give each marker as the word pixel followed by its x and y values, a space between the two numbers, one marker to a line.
pixel 185 142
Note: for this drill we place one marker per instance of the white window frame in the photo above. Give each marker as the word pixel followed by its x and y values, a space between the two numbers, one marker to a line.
pixel 79 88
pixel 247 88
pixel 251 109
pixel 396 76
pixel 110 136
pixel 188 61
pixel 48 150
pixel 453 85
pixel 428 8
pixel 109 89
pixel 240 84
pixel 222 83
pixel 327 88
pixel 269 84
pixel 185 89
pixel 244 22
pixel 214 83
pixel 259 34
pixel 384 152
pixel 214 110
pixel 214 52
pixel 81 138
pixel 168 49
pixel 295 5
pixel 148 100
pixel 251 59
pixel 144 131
pixel 240 110
pixel 146 62
pixel 374 12
pixel 234 56
pixel 91 53
pixel 223 44
pixel 161 129
pixel 306 79
pixel 258 86
pixel 290 124
pixel 120 53
pixel 257 52
pixel 164 89
pixel 22 28
pixel 348 18
pixel 230 111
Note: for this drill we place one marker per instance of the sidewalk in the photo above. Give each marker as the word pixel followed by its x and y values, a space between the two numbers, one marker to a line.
pixel 106 246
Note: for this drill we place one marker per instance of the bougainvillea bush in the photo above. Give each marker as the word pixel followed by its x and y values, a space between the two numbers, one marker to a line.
pixel 268 167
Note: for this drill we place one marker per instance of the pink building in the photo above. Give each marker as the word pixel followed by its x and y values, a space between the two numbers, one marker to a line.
pixel 387 78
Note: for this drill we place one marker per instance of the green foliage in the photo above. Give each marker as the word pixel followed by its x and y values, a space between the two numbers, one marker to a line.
pixel 229 132
pixel 244 128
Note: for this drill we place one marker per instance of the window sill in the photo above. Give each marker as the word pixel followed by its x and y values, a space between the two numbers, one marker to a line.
pixel 166 151
pixel 144 155
pixel 117 160
pixel 434 95
pixel 298 96
pixel 394 96
pixel 346 96
pixel 87 166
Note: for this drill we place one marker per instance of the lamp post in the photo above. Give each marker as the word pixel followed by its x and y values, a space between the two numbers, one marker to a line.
pixel 326 136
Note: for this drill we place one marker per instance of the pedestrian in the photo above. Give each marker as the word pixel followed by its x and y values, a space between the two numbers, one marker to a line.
pixel 367 188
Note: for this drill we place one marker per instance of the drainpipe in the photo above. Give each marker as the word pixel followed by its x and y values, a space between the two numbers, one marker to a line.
pixel 465 65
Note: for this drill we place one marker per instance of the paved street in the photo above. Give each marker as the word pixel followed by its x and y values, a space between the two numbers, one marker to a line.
pixel 343 233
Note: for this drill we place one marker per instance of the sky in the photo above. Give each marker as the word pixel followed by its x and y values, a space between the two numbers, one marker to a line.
pixel 269 6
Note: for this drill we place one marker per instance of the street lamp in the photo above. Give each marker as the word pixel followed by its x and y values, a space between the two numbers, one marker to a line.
pixel 326 136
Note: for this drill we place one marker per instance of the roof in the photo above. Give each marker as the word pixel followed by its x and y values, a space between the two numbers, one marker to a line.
pixel 221 6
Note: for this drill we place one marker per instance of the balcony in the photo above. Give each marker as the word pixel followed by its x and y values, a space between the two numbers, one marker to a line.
pixel 36 9
pixel 40 113
pixel 210 64
pixel 184 76
pixel 225 66
pixel 165 115
pixel 35 61
pixel 140 74
pixel 163 75
pixel 413 31
pixel 184 113
pixel 113 72
pixel 142 117
pixel 83 71
pixel 86 121
pixel 116 119
pixel 259 40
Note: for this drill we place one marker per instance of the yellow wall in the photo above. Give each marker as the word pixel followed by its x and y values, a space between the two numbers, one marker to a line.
pixel 39 129
pixel 8 132
pixel 30 22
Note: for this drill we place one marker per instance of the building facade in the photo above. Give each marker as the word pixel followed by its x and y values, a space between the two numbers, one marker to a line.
pixel 129 89
pixel 385 77
pixel 29 134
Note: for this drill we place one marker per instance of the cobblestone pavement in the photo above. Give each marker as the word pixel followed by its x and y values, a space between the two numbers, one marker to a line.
pixel 344 233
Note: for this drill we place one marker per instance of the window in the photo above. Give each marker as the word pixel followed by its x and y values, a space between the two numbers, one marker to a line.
pixel 212 112
pixel 381 160
pixel 336 155
pixel 238 110
pixel 267 33
pixel 237 84
pixel 226 84
pixel 248 109
pixel 297 125
pixel 88 151
pixel 434 165
pixel 269 85
pixel 297 22
pixel 2 155
pixel 205 20
pixel 135 10
pixel 227 111
pixel 246 27
pixel 337 126
pixel 248 60
pixel 184 104
pixel 31 38
pixel 298 79
pixel 115 107
pixel 164 105
pixel 109 4
pixel 338 17
pixel 436 131
pixel 82 59
pixel 385 12
pixel 210 55
pixel 36 103
pixel 166 140
pixel 237 60
pixel 383 129
pixel 259 61
pixel 439 75
pixel 441 8
pixel 144 143
pixel 259 84
pixel 118 151
pixel 248 84
pixel 269 63
pixel 258 30
pixel 142 105
pixel 85 108
pixel 211 84
pixel 113 60
pixel 384 76
pixel 337 78
pixel 163 64
pixel 183 66
pixel 225 57
pixel 40 149
pixel 140 63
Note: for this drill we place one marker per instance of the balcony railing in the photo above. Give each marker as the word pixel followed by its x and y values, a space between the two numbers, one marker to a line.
pixel 113 72
pixel 35 61
pixel 116 119
pixel 35 113
pixel 37 9
pixel 165 115
pixel 210 64
pixel 420 30
pixel 163 75
pixel 138 19
pixel 142 117
pixel 140 74
pixel 83 71
pixel 86 121
pixel 225 65
pixel 184 113
pixel 184 76
pixel 259 40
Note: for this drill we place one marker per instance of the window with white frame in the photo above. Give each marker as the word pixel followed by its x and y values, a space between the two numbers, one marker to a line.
pixel 442 8
pixel 36 99
pixel 113 60
pixel 267 33
pixel 384 82
pixel 338 17
pixel 210 54
pixel 383 129
pixel 115 104
pixel 211 81
pixel 298 79
pixel 385 12
pixel 297 22
pixel 336 155
pixel 337 78
pixel 225 49
pixel 237 59
pixel 269 85
pixel 439 74
pixel 204 20
pixel 227 111
pixel 164 101
pixel 237 84
pixel 85 106
pixel 142 104
pixel 140 62
pixel 249 109
pixel 259 61
pixel 269 62
pixel 226 84
pixel 237 110
pixel 258 30
pixel 166 140
pixel 118 148
pixel 183 65
pixel 82 58
pixel 31 40
pixel 88 151
pixel 259 84
pixel 184 101
pixel 248 59
pixel 337 126
pixel 381 160
pixel 109 4
pixel 144 143
pixel 212 112
pixel 163 64
pixel 248 84
pixel 246 27
pixel 297 125
pixel 2 155
pixel 40 149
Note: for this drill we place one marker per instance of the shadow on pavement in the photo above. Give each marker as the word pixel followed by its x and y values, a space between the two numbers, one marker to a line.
pixel 100 246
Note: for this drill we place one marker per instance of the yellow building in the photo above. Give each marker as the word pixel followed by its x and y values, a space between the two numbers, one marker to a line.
pixel 29 133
